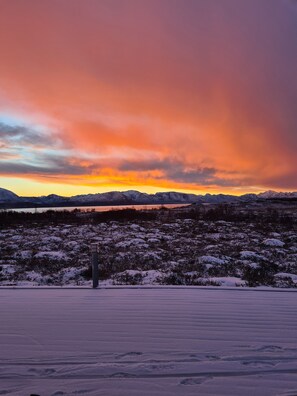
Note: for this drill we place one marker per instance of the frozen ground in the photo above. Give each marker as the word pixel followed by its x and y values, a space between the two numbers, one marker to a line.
pixel 164 341
pixel 251 247
pixel 179 252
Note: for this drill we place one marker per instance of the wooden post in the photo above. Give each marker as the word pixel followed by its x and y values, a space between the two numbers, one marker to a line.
pixel 94 262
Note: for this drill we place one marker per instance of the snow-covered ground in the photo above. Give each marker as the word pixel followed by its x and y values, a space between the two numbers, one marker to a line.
pixel 168 250
pixel 154 341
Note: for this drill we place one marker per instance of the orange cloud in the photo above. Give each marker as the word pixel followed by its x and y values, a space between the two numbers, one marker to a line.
pixel 203 92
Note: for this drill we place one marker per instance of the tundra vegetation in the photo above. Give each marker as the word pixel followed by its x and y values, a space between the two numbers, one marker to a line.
pixel 242 244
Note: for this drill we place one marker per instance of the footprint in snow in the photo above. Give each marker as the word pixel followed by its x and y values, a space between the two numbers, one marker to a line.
pixel 162 366
pixel 260 364
pixel 196 357
pixel 194 381
pixel 129 354
pixel 213 357
pixel 42 372
pixel 121 375
pixel 270 348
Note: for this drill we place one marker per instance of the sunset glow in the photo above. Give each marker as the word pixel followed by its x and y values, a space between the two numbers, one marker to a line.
pixel 154 95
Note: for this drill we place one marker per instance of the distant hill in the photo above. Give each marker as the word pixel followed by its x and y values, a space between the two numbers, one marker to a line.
pixel 277 195
pixel 132 197
pixel 8 196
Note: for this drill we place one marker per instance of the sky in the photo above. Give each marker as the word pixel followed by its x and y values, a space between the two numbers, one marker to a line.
pixel 155 95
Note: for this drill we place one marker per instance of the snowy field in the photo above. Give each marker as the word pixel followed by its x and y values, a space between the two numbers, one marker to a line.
pixel 171 247
pixel 154 341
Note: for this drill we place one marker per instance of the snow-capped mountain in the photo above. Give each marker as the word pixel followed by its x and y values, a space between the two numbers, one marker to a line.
pixel 53 199
pixel 274 194
pixel 45 200
pixel 137 196
pixel 8 196
pixel 113 196
pixel 173 196
pixel 132 197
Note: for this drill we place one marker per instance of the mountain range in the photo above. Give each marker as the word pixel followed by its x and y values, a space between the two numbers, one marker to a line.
pixel 131 197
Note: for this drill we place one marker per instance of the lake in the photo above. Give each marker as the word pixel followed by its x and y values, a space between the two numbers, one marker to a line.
pixel 99 208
